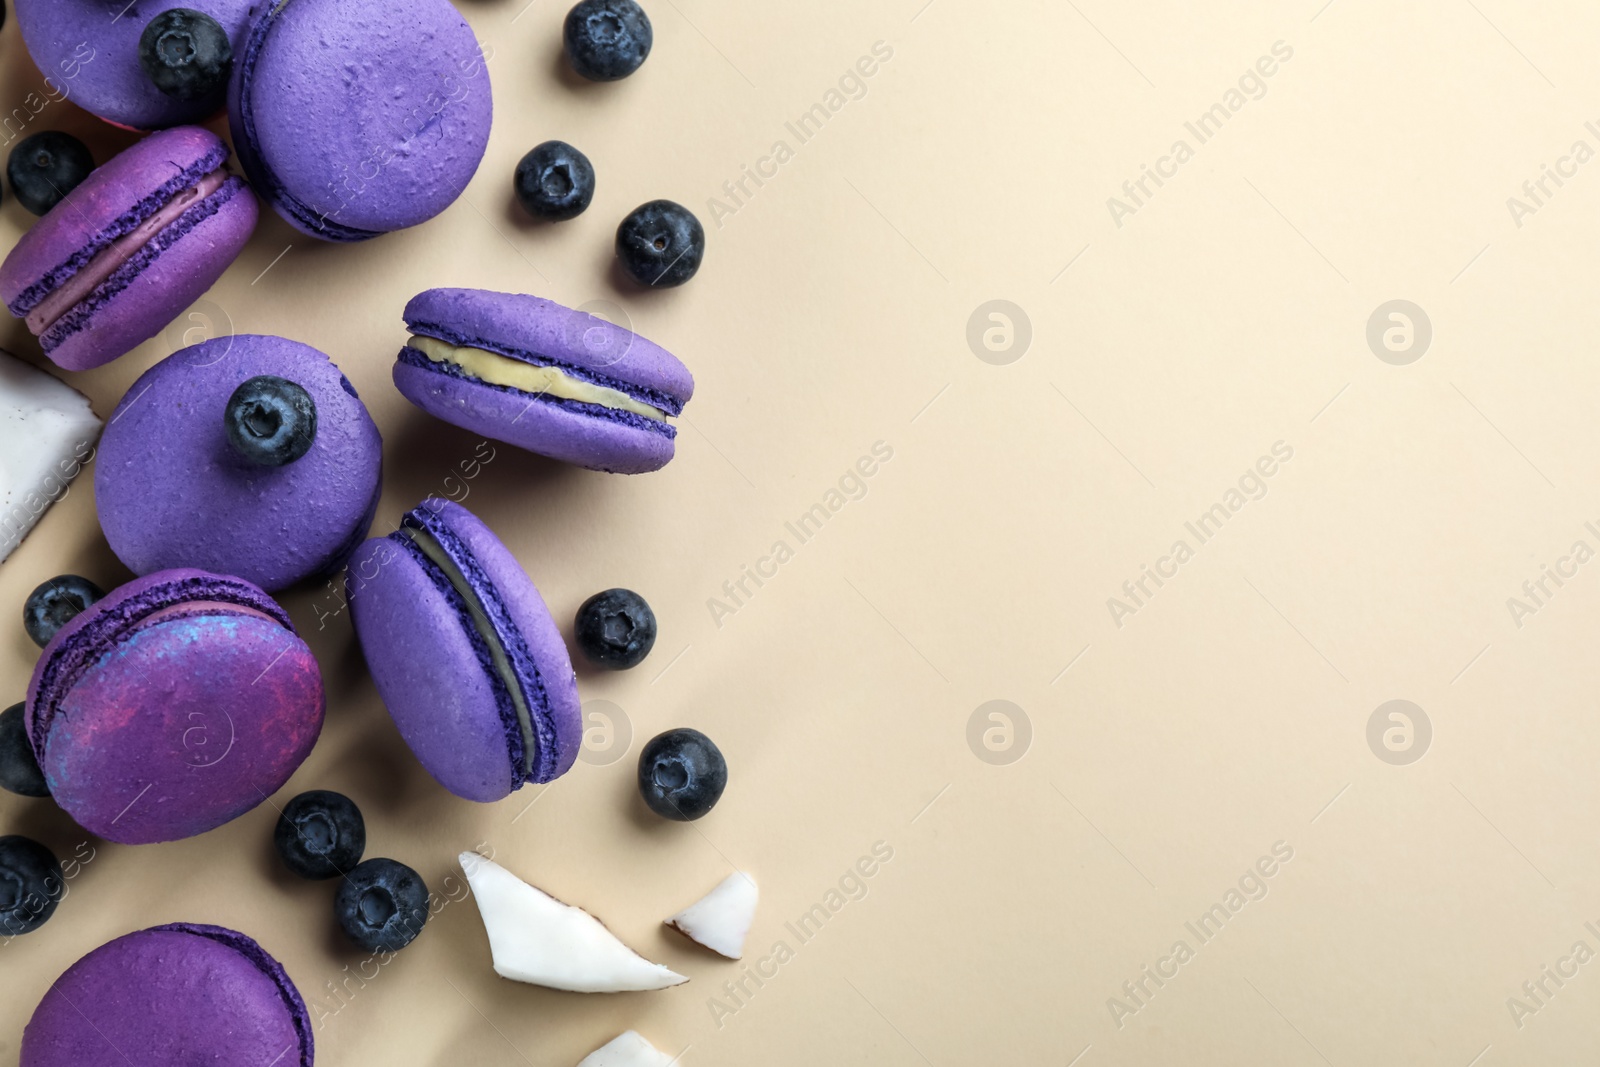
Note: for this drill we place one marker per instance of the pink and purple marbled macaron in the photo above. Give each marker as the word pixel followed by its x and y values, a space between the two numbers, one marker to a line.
pixel 465 654
pixel 143 236
pixel 543 377
pixel 89 52
pixel 172 491
pixel 354 118
pixel 183 993
pixel 180 701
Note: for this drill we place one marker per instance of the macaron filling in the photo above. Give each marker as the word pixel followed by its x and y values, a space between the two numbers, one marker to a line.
pixel 111 258
pixel 539 379
pixel 499 643
pixel 647 409
pixel 95 634
pixel 151 203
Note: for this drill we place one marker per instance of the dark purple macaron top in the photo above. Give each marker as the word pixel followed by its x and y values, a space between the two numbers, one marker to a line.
pixel 358 117
pixel 110 203
pixel 175 994
pixel 465 654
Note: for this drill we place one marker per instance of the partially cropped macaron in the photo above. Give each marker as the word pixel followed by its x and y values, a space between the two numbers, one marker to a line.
pixel 127 250
pixel 247 455
pixel 88 51
pixel 354 118
pixel 464 654
pixel 543 377
pixel 179 702
pixel 183 993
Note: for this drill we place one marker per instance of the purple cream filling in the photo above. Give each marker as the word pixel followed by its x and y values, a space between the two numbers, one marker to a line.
pixel 82 650
pixel 632 419
pixel 263 962
pixel 654 397
pixel 78 317
pixel 122 225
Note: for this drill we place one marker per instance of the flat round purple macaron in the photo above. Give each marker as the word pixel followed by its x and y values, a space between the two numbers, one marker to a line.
pixel 465 654
pixel 177 703
pixel 357 117
pixel 89 53
pixel 543 377
pixel 143 236
pixel 173 491
pixel 183 993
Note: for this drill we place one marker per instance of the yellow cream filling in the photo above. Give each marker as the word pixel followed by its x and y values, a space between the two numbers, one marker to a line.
pixel 496 369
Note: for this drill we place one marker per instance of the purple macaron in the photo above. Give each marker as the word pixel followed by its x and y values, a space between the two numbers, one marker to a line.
pixel 543 377
pixel 465 654
pixel 172 491
pixel 143 236
pixel 89 53
pixel 180 701
pixel 183 993
pixel 357 117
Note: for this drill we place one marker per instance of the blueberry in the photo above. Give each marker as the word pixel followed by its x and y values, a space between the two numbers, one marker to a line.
pixel 555 182
pixel 31 885
pixel 19 769
pixel 320 834
pixel 661 244
pixel 271 421
pixel 682 774
pixel 616 629
pixel 56 603
pixel 46 167
pixel 381 905
pixel 607 39
pixel 187 54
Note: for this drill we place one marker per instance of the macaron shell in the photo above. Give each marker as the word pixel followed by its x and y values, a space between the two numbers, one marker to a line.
pixel 536 425
pixel 91 52
pixel 532 619
pixel 517 322
pixel 372 116
pixel 425 668
pixel 179 994
pixel 168 284
pixel 182 727
pixel 127 731
pixel 108 202
pixel 171 491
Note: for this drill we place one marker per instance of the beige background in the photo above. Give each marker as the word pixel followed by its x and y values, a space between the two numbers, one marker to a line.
pixel 1166 755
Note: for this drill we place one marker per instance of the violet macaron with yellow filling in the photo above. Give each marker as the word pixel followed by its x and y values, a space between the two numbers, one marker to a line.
pixel 464 654
pixel 128 249
pixel 177 703
pixel 543 377
pixel 183 993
